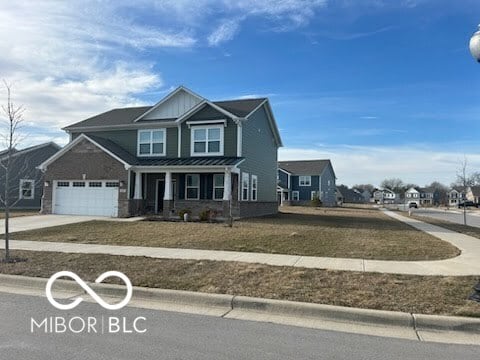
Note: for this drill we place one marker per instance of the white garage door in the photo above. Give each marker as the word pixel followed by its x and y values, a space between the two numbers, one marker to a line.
pixel 80 197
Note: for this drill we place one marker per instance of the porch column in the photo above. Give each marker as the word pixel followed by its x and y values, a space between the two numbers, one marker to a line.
pixel 168 186
pixel 227 185
pixel 137 195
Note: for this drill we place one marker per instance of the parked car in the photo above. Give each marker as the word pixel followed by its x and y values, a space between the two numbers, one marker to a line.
pixel 412 205
pixel 467 204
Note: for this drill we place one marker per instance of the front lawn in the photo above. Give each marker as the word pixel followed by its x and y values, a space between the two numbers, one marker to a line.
pixel 408 293
pixel 17 213
pixel 336 232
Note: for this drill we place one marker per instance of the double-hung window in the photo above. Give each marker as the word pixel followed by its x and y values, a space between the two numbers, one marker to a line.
pixel 151 142
pixel 305 180
pixel 245 186
pixel 218 186
pixel 207 140
pixel 27 189
pixel 295 196
pixel 192 187
pixel 253 196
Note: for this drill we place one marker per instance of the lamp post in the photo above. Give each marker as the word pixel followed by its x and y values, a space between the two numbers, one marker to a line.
pixel 475 45
pixel 475 51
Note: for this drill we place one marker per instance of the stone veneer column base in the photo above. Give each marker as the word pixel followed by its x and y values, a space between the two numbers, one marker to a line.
pixel 168 206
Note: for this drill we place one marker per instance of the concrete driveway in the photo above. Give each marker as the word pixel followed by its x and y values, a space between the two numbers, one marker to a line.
pixel 23 223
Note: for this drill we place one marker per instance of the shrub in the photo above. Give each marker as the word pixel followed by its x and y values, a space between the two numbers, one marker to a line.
pixel 207 215
pixel 182 213
pixel 316 202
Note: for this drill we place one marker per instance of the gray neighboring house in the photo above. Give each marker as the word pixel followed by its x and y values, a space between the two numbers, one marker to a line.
pixel 299 181
pixel 422 196
pixel 350 196
pixel 456 195
pixel 183 153
pixel 25 183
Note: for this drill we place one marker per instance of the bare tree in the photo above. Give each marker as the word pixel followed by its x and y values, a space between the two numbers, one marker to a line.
pixel 12 122
pixel 464 180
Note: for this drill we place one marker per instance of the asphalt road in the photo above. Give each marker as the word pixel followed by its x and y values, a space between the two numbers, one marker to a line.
pixel 181 336
pixel 455 216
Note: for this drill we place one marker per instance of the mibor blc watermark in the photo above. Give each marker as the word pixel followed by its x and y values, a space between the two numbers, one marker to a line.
pixel 88 324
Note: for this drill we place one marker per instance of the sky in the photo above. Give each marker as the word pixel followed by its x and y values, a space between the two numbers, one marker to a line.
pixel 383 88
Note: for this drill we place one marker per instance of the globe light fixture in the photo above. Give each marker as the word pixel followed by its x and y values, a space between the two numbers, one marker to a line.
pixel 475 45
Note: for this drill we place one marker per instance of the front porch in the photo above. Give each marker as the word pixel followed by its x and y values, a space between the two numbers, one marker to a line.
pixel 167 193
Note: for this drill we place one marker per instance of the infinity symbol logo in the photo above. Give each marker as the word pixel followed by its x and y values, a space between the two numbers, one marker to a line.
pixel 89 290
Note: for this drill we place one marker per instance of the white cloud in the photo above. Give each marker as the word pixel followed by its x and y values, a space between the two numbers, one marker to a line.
pixel 224 32
pixel 363 164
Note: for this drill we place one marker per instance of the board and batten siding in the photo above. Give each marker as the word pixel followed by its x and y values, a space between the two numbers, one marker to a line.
pixel 328 186
pixel 208 113
pixel 127 139
pixel 174 107
pixel 260 152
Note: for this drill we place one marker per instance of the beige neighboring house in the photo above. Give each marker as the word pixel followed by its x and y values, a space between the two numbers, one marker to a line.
pixel 473 194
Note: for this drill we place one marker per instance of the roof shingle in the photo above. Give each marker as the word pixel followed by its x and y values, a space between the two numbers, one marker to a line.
pixel 304 167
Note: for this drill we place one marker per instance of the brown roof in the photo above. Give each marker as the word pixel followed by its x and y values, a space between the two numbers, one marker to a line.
pixel 304 167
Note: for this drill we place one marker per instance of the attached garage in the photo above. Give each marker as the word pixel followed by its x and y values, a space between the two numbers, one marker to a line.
pixel 86 197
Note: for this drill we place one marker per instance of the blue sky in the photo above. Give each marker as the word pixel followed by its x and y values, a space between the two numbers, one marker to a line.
pixel 383 88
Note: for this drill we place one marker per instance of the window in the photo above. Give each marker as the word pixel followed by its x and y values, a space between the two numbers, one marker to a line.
pixel 245 186
pixel 112 184
pixel 305 180
pixel 151 142
pixel 63 184
pixel 27 189
pixel 79 184
pixel 314 195
pixel 218 186
pixel 254 188
pixel 207 140
pixel 192 187
pixel 295 196
pixel 95 184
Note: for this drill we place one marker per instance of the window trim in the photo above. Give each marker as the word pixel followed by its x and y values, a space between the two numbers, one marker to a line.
pixel 313 193
pixel 296 192
pixel 254 177
pixel 218 187
pixel 309 177
pixel 29 181
pixel 192 187
pixel 206 153
pixel 247 177
pixel 151 154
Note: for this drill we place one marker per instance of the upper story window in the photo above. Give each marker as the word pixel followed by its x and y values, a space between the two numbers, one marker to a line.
pixel 207 140
pixel 151 142
pixel 305 180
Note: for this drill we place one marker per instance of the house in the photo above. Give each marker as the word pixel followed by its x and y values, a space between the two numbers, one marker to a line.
pixel 473 194
pixel 183 154
pixel 367 195
pixel 351 196
pixel 456 195
pixel 385 196
pixel 25 180
pixel 301 181
pixel 422 196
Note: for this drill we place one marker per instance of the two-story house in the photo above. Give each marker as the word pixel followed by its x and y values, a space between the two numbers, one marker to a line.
pixel 473 194
pixel 456 195
pixel 183 153
pixel 422 196
pixel 301 181
pixel 352 196
pixel 385 196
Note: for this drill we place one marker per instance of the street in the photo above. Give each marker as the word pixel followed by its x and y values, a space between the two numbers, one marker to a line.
pixel 455 216
pixel 181 336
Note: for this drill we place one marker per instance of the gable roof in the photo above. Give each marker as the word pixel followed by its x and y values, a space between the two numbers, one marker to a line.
pixel 15 152
pixel 242 107
pixel 123 116
pixel 475 190
pixel 304 167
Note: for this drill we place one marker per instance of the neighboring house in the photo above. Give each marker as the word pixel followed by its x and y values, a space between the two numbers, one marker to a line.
pixel 25 181
pixel 456 196
pixel 473 194
pixel 422 196
pixel 338 197
pixel 367 195
pixel 301 181
pixel 385 196
pixel 350 195
pixel 183 153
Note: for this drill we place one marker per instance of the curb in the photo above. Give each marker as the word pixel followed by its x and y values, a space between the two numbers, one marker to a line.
pixel 298 310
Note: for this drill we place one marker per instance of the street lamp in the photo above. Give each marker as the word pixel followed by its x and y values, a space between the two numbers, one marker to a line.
pixel 475 45
pixel 475 51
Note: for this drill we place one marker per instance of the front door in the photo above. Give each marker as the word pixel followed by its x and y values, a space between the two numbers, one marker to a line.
pixel 160 193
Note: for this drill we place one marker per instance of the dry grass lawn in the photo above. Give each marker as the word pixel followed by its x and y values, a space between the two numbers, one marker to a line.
pixel 17 213
pixel 336 232
pixel 463 229
pixel 416 294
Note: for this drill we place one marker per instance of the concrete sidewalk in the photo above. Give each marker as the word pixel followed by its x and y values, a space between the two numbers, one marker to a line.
pixel 466 264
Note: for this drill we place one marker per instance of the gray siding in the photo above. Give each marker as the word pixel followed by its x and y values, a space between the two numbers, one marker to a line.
pixel 208 113
pixel 260 153
pixel 127 139
pixel 328 187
